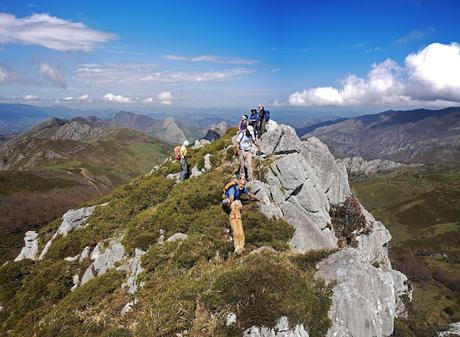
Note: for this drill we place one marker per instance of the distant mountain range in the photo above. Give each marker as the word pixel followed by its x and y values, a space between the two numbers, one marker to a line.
pixel 415 136
pixel 17 118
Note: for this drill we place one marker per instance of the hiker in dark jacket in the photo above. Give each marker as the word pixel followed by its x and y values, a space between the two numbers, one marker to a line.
pixel 254 121
pixel 244 123
pixel 264 117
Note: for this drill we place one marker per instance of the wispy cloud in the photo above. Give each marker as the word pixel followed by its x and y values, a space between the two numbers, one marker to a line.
pixel 165 97
pixel 414 35
pixel 50 32
pixel 7 75
pixel 53 75
pixel 429 75
pixel 149 73
pixel 211 58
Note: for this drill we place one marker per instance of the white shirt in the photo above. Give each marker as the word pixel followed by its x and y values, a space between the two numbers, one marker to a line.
pixel 245 141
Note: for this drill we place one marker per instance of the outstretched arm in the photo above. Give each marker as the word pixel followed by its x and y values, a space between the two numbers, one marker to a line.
pixel 253 197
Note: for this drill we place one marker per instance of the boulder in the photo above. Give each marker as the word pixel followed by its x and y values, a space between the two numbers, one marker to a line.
pixel 207 162
pixel 71 220
pixel 30 249
pixel 177 237
pixel 364 299
pixel 280 139
pixel 103 259
pixel 332 177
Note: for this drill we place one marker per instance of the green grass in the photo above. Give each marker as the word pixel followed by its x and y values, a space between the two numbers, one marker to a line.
pixel 13 181
pixel 188 285
pixel 421 208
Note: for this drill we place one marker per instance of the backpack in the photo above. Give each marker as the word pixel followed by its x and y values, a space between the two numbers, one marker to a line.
pixel 267 115
pixel 177 152
pixel 232 182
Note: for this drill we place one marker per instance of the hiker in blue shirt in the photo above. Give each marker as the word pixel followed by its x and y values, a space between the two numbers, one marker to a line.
pixel 233 191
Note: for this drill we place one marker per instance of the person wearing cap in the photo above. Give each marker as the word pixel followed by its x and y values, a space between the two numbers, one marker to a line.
pixel 184 170
pixel 245 142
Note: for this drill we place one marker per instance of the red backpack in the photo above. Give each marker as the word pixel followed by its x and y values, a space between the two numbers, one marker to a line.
pixel 177 152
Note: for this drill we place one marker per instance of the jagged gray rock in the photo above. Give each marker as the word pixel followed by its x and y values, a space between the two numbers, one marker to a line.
pixel 332 177
pixel 103 260
pixel 177 237
pixel 30 249
pixel 453 329
pixel 71 220
pixel 301 184
pixel 195 172
pixel 281 330
pixel 207 162
pixel 364 299
pixel 360 166
pixel 199 143
pixel 133 268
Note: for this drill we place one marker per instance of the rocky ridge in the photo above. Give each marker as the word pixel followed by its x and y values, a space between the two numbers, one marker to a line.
pixel 357 166
pixel 302 181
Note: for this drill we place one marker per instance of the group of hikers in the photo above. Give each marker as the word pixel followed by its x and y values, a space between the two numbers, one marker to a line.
pixel 251 128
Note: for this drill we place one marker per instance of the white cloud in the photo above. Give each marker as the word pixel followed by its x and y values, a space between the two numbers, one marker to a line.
pixel 53 74
pixel 82 98
pixel 31 98
pixel 211 58
pixel 165 97
pixel 414 35
pixel 116 98
pixel 50 32
pixel 429 75
pixel 435 72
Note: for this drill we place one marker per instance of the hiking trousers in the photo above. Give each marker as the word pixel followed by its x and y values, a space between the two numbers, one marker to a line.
pixel 184 174
pixel 245 158
pixel 237 226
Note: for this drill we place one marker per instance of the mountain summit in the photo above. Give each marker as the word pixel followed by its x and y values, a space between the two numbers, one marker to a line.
pixel 153 258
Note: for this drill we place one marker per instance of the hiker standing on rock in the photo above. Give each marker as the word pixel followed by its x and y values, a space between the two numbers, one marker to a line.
pixel 231 204
pixel 244 122
pixel 184 170
pixel 264 117
pixel 245 141
pixel 254 121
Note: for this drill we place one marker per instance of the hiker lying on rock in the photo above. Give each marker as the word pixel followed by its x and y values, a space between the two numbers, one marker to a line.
pixel 231 204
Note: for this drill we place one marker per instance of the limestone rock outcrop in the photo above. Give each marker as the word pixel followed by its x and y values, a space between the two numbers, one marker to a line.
pixel 359 166
pixel 71 220
pixel 103 259
pixel 302 181
pixel 30 249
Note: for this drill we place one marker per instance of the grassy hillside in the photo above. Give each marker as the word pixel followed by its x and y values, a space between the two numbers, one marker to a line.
pixel 421 208
pixel 39 188
pixel 188 285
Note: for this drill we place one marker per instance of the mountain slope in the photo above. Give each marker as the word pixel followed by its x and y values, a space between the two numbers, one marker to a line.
pixel 58 164
pixel 153 258
pixel 416 136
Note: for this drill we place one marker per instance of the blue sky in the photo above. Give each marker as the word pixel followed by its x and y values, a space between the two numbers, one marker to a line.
pixel 347 55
